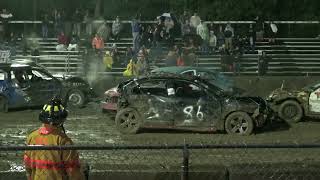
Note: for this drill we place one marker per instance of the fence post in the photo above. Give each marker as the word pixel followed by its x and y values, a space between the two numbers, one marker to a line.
pixel 185 163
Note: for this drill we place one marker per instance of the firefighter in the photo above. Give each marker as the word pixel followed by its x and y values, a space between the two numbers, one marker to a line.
pixel 52 164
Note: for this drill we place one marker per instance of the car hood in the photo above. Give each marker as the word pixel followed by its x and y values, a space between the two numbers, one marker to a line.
pixel 248 104
pixel 278 94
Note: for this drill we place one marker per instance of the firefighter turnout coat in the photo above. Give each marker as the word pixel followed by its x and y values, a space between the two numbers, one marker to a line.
pixel 51 164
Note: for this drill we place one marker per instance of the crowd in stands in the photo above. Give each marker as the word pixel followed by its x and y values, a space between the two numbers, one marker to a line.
pixel 149 41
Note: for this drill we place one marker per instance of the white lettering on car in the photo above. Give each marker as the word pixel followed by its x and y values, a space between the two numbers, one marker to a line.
pixel 188 111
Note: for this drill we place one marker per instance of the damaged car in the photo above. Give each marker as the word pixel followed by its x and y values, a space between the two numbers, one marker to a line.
pixel 30 85
pixel 293 105
pixel 189 103
pixel 109 104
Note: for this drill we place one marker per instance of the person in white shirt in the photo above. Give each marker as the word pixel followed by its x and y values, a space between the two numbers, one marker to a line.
pixel 203 32
pixel 4 17
pixel 195 21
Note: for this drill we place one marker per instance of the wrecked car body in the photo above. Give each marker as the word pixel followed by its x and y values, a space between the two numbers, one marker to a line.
pixel 109 103
pixel 167 101
pixel 26 85
pixel 293 105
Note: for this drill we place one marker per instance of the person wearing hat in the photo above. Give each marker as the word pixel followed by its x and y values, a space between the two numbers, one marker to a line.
pixel 52 164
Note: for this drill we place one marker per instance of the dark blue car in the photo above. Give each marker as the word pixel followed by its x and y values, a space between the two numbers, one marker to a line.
pixel 29 85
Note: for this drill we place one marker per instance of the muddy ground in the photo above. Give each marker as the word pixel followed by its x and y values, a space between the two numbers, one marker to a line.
pixel 88 126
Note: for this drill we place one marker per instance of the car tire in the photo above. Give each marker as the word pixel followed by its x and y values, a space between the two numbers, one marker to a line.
pixel 239 123
pixel 290 111
pixel 75 99
pixel 3 104
pixel 128 121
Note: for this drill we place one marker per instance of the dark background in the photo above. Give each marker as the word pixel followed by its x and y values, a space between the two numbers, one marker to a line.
pixel 208 9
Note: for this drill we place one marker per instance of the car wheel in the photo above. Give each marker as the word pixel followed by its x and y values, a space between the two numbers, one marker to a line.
pixel 128 121
pixel 75 99
pixel 3 104
pixel 290 111
pixel 239 123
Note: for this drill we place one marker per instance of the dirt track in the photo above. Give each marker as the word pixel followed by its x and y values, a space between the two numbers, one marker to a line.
pixel 89 126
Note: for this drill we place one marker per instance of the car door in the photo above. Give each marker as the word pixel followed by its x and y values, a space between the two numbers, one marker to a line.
pixel 19 94
pixel 314 101
pixel 42 86
pixel 152 101
pixel 195 107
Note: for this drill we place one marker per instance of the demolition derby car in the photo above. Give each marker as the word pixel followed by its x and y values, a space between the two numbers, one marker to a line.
pixel 191 103
pixel 25 84
pixel 214 77
pixel 218 79
pixel 293 105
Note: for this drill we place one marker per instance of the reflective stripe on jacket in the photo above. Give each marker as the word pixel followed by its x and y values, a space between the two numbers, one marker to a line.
pixel 51 164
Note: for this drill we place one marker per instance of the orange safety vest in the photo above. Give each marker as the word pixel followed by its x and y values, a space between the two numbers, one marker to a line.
pixel 51 164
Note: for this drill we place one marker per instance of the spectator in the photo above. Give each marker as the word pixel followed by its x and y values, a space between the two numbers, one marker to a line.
pixel 228 34
pixel 77 21
pixel 97 44
pixel 58 24
pixel 12 42
pixel 135 27
pixel 146 36
pixel 263 62
pixel 252 38
pixel 34 48
pixel 131 69
pixel 104 31
pixel 184 17
pixel 195 21
pixel 188 55
pixel 62 42
pixel 74 43
pixel 274 31
pixel 108 61
pixel 57 164
pixel 203 32
pixel 24 44
pixel 186 29
pixel 45 25
pixel 115 54
pixel 141 64
pixel 129 55
pixel 172 57
pixel 5 17
pixel 88 23
pixel 159 32
pixel 213 41
pixel 220 38
pixel 116 28
pixel 259 27
pixel 168 23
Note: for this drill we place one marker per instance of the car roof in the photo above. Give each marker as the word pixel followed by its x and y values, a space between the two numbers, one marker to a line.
pixel 18 63
pixel 180 69
pixel 168 76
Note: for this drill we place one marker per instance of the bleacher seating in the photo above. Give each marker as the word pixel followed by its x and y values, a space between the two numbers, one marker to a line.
pixel 289 56
pixel 62 62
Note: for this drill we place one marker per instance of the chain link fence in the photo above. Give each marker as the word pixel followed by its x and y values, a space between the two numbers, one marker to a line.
pixel 185 162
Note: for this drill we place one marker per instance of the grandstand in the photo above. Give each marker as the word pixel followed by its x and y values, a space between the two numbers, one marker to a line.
pixel 289 56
